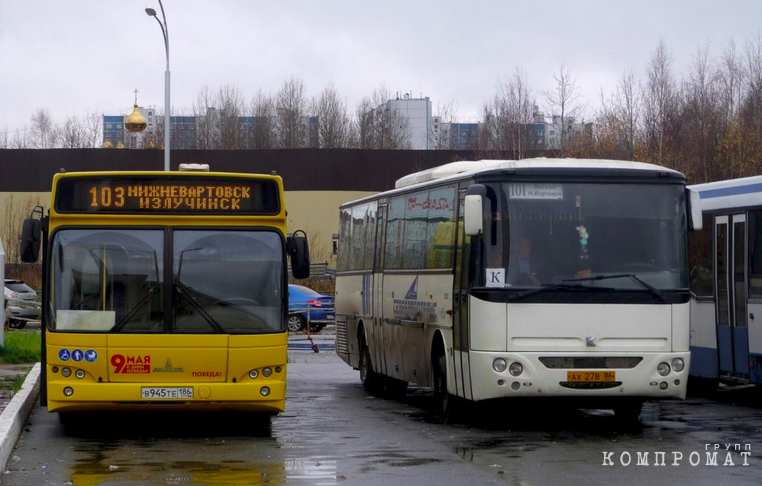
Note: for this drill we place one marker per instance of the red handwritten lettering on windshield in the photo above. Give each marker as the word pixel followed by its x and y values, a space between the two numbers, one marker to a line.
pixel 131 364
pixel 439 204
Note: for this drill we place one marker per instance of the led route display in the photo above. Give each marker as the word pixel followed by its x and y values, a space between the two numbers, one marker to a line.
pixel 139 194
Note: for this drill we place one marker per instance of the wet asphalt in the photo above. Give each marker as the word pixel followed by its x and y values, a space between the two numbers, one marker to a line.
pixel 335 433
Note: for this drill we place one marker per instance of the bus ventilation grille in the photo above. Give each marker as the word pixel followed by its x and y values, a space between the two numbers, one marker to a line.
pixel 342 344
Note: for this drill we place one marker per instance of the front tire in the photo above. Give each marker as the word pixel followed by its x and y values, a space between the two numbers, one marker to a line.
pixel 16 324
pixel 442 397
pixel 295 323
pixel 628 413
pixel 316 327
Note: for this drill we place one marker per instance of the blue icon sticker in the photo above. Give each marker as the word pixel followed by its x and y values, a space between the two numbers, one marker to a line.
pixel 77 355
pixel 91 356
pixel 63 354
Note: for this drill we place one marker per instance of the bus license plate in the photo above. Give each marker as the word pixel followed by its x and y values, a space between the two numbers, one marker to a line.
pixel 167 393
pixel 590 376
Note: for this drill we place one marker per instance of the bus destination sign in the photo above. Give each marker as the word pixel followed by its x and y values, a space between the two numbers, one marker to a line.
pixel 174 195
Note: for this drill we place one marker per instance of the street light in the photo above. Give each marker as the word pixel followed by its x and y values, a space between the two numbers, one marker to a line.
pixel 165 32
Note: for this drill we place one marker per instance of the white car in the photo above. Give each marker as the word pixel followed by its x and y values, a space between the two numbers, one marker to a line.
pixel 20 302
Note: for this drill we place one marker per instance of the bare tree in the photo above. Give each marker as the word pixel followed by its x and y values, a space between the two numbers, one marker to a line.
pixel 659 100
pixel 229 104
pixel 365 124
pixel 4 139
pixel 43 133
pixel 729 75
pixel 447 114
pixel 73 134
pixel 93 129
pixel 265 123
pixel 618 120
pixel 380 124
pixel 20 140
pixel 564 103
pixel 205 112
pixel 291 108
pixel 333 121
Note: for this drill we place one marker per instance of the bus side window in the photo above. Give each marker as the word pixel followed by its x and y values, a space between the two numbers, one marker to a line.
pixel 755 254
pixel 702 259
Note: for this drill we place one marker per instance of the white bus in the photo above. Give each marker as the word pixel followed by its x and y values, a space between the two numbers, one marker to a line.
pixel 533 278
pixel 726 283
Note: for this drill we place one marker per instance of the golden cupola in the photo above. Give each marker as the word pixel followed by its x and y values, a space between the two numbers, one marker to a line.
pixel 135 122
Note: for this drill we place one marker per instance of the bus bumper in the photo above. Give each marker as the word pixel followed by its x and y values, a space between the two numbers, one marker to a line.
pixel 537 380
pixel 206 396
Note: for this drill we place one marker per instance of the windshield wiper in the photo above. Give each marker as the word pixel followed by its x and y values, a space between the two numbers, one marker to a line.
pixel 644 284
pixel 139 305
pixel 547 288
pixel 185 291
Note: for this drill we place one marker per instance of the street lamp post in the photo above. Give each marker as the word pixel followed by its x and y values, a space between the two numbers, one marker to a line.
pixel 165 32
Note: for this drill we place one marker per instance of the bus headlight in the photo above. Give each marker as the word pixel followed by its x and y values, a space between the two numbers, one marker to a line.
pixel 663 369
pixel 678 364
pixel 264 391
pixel 66 372
pixel 267 372
pixel 80 374
pixel 499 365
pixel 68 391
pixel 516 369
pixel 253 374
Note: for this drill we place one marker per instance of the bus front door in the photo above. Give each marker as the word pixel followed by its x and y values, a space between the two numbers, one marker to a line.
pixel 378 290
pixel 460 308
pixel 731 295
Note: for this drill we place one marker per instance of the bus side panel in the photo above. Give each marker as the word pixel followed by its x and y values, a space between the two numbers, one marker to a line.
pixel 755 342
pixel 704 362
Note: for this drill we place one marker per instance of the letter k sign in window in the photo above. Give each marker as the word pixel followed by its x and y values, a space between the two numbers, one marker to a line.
pixel 495 277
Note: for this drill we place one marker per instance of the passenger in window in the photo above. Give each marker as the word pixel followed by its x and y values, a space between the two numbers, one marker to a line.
pixel 527 273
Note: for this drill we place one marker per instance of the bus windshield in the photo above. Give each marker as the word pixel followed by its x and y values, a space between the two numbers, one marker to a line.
pixel 550 233
pixel 112 280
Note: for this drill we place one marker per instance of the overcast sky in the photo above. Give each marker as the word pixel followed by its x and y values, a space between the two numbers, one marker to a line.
pixel 78 56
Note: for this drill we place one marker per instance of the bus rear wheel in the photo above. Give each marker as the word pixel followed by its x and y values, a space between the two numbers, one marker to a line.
pixel 371 381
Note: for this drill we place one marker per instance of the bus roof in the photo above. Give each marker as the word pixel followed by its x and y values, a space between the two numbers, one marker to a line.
pixel 733 193
pixel 463 169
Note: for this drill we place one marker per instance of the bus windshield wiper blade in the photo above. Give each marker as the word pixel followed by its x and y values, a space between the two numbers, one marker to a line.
pixel 547 288
pixel 139 305
pixel 185 291
pixel 643 283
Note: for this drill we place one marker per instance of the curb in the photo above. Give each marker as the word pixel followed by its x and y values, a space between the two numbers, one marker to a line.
pixel 16 413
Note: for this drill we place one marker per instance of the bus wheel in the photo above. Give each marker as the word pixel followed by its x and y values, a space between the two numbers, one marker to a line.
pixel 443 399
pixel 628 413
pixel 371 381
pixel 295 323
pixel 14 324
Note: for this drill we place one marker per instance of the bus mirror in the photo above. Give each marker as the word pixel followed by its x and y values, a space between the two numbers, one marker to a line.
pixel 473 215
pixel 299 252
pixel 30 240
pixel 695 219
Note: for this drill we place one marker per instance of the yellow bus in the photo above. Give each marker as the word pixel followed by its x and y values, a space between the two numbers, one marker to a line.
pixel 164 288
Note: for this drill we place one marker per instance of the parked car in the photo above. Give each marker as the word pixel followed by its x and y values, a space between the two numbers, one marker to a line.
pixel 20 302
pixel 300 301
